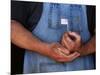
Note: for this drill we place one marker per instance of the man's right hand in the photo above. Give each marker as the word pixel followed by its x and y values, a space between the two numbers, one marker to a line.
pixel 59 53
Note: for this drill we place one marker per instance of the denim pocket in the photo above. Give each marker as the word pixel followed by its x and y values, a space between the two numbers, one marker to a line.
pixel 54 17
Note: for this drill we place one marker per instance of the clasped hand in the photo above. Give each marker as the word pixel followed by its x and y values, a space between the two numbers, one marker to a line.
pixel 66 50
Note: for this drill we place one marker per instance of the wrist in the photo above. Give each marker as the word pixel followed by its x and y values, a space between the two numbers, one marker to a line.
pixel 83 51
pixel 42 48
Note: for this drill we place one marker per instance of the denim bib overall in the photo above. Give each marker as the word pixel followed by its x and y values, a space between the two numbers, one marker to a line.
pixel 50 29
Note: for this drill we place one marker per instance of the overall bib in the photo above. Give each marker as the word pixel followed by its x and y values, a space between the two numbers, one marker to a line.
pixel 55 20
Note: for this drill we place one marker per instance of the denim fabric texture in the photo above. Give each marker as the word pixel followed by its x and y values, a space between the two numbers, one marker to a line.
pixel 49 29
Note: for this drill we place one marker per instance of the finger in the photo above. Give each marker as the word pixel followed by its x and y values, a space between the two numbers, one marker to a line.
pixel 68 38
pixel 60 49
pixel 62 42
pixel 60 54
pixel 70 57
pixel 68 42
pixel 64 51
pixel 74 35
pixel 73 55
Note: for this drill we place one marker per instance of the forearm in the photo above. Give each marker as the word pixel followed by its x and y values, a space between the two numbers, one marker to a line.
pixel 24 39
pixel 88 48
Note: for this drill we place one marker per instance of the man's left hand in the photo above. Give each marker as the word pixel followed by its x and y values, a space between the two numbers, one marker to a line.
pixel 71 41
